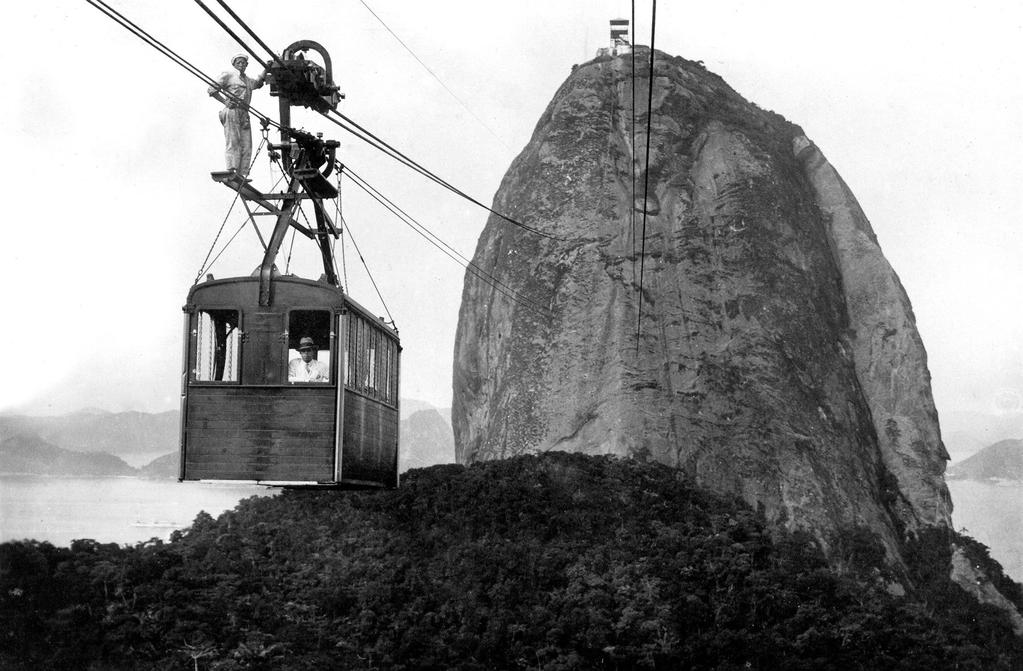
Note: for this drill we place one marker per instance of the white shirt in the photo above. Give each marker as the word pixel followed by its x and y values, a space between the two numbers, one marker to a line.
pixel 314 371
pixel 238 85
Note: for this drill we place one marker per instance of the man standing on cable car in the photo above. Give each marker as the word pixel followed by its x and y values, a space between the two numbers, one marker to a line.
pixel 235 116
pixel 307 369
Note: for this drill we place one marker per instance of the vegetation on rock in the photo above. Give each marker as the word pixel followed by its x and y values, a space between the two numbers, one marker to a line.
pixel 559 561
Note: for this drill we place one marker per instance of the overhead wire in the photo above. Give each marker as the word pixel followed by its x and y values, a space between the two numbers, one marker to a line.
pixel 632 208
pixel 338 218
pixel 228 30
pixel 237 194
pixel 135 29
pixel 291 248
pixel 646 170
pixel 206 268
pixel 370 138
pixel 149 39
pixel 394 208
pixel 433 74
pixel 244 25
pixel 224 249
pixel 203 267
pixel 368 273
pixel 473 268
pixel 146 37
pixel 364 134
pixel 273 54
pixel 354 129
pixel 444 247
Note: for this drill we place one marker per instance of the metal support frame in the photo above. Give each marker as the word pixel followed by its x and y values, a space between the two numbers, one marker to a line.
pixel 306 159
pixel 287 212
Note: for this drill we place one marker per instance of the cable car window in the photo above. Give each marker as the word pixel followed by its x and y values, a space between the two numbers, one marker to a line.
pixel 217 344
pixel 309 346
pixel 360 382
pixel 372 360
pixel 350 372
pixel 391 372
pixel 384 367
pixel 354 352
pixel 349 347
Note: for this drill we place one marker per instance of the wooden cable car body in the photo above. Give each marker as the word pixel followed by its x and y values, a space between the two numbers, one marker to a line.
pixel 246 412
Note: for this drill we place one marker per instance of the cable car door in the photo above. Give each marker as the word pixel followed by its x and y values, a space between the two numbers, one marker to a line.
pixel 263 361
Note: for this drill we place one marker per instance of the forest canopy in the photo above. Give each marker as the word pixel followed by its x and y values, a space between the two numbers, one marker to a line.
pixel 558 561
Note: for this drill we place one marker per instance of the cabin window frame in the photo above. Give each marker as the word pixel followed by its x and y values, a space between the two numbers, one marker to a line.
pixel 238 340
pixel 331 349
pixel 370 359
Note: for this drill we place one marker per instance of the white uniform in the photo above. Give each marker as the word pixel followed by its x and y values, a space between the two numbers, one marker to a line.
pixel 235 118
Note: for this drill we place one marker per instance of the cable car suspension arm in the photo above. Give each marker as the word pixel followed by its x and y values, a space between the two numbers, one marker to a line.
pixel 287 213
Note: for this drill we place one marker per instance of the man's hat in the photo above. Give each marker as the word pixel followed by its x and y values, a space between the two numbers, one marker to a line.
pixel 237 56
pixel 306 343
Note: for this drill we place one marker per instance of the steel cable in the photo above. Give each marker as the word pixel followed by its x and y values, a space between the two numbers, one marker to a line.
pixel 444 247
pixel 432 74
pixel 230 32
pixel 646 171
pixel 368 273
pixel 146 37
pixel 244 25
pixel 377 143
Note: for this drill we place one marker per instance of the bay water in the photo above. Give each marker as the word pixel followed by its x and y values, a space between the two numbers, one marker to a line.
pixel 992 513
pixel 111 509
pixel 128 510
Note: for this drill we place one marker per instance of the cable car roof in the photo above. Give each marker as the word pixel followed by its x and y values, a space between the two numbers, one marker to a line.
pixel 293 291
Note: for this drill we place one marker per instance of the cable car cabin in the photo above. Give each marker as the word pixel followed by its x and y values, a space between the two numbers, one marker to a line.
pixel 253 409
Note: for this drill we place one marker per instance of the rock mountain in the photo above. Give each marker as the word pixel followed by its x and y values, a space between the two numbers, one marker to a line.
pixel 777 355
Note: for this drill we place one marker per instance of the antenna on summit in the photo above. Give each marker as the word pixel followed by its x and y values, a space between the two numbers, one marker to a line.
pixel 620 42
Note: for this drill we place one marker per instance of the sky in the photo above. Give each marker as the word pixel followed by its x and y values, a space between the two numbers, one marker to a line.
pixel 111 211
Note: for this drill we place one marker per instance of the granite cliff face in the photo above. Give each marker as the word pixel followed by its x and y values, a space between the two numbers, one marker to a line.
pixel 777 355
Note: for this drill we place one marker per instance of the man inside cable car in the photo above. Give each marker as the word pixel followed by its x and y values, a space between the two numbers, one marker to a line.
pixel 307 368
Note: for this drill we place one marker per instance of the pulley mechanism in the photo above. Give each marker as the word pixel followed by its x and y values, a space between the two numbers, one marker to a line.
pixel 298 81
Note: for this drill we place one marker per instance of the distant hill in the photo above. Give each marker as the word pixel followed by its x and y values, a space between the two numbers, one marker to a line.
pixel 142 433
pixel 965 433
pixel 1001 461
pixel 410 406
pixel 426 439
pixel 162 467
pixel 120 433
pixel 26 453
pixel 556 561
pixel 87 442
